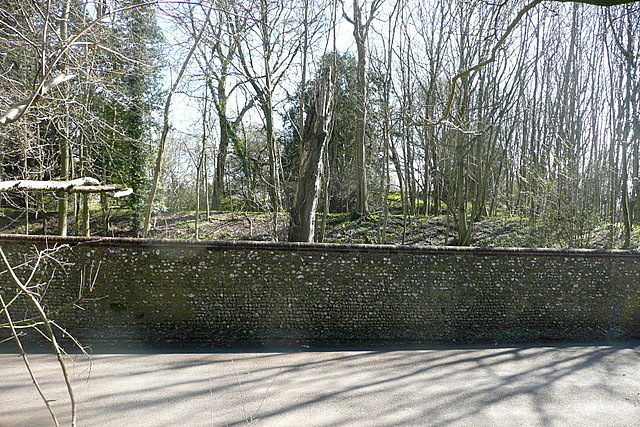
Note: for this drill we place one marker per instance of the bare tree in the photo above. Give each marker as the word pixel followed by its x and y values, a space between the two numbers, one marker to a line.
pixel 165 130
pixel 361 19
pixel 265 55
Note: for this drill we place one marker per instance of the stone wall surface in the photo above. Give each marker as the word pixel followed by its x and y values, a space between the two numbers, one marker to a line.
pixel 153 292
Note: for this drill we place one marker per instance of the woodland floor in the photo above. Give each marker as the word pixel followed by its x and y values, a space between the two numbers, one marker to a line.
pixel 343 228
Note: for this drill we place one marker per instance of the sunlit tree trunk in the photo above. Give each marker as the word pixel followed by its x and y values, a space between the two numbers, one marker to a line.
pixel 63 200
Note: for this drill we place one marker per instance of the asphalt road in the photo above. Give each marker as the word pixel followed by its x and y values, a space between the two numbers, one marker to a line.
pixel 498 386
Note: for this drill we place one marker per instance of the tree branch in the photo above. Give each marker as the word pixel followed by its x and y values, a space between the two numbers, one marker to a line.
pixel 50 335
pixel 23 354
pixel 492 58
pixel 79 185
pixel 18 109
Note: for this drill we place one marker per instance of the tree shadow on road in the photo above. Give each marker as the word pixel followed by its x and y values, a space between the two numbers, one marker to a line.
pixel 532 385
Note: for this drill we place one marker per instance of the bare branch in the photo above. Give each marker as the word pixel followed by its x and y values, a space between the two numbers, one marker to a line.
pixel 599 2
pixel 18 109
pixel 23 354
pixel 492 58
pixel 49 331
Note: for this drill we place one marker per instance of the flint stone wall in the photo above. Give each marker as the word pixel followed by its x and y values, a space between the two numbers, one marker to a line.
pixel 168 292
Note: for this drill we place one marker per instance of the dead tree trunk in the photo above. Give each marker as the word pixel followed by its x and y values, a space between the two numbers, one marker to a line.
pixel 317 129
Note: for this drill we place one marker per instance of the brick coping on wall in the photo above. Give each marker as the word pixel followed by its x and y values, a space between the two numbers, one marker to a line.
pixel 308 247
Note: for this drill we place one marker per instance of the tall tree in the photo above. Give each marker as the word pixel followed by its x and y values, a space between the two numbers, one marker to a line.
pixel 362 17
pixel 266 52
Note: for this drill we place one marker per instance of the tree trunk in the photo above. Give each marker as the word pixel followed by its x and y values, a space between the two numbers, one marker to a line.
pixel 63 201
pixel 362 206
pixel 316 131
pixel 223 147
pixel 325 208
pixel 85 229
pixel 361 26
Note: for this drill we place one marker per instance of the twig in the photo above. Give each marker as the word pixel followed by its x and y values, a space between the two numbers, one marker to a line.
pixel 242 398
pixel 264 396
pixel 250 223
pixel 73 339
